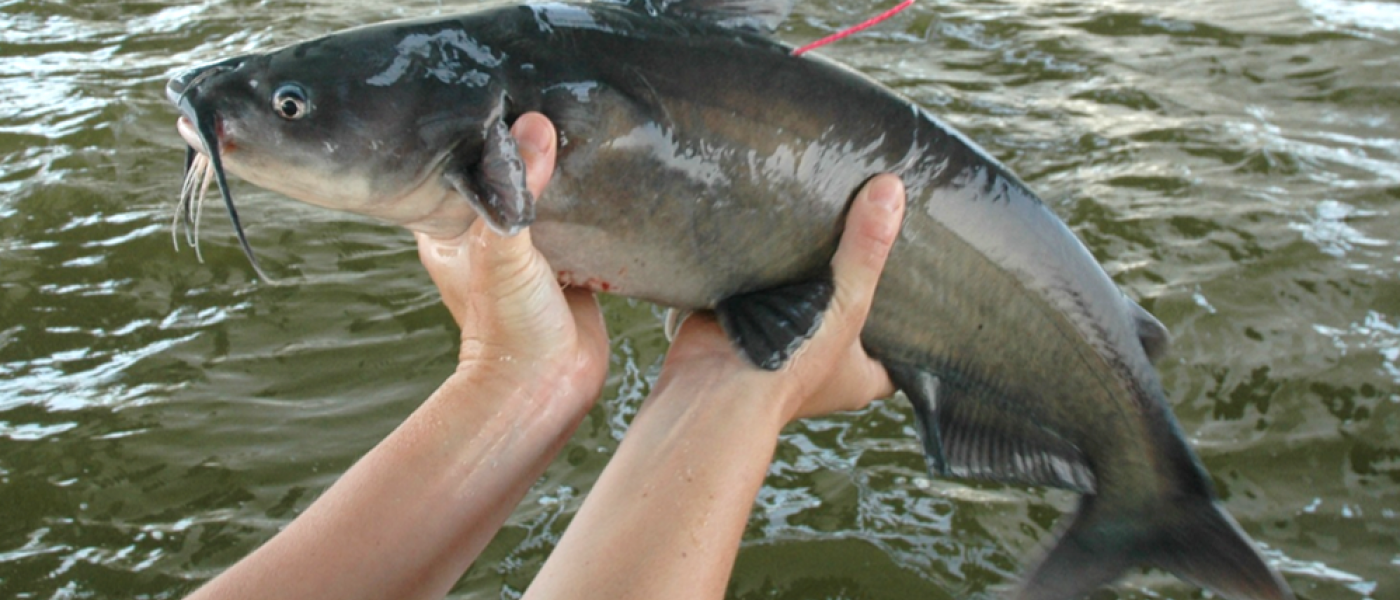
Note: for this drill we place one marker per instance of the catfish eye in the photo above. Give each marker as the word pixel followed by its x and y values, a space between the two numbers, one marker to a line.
pixel 290 102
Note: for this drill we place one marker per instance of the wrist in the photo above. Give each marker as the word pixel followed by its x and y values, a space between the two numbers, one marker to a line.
pixel 523 392
pixel 752 399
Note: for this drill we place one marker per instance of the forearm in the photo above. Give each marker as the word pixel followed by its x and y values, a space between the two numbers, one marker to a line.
pixel 409 517
pixel 665 518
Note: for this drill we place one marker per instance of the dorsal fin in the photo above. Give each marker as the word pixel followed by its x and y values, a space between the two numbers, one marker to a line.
pixel 759 16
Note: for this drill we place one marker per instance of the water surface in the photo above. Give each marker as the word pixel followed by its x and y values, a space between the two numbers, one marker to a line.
pixel 1235 164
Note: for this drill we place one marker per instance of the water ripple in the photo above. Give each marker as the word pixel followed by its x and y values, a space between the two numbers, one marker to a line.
pixel 1235 164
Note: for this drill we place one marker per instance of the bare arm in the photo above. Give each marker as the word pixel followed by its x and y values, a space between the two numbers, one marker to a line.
pixel 666 517
pixel 409 517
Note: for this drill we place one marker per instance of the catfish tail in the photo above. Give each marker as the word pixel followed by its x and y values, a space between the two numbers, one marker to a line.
pixel 1192 537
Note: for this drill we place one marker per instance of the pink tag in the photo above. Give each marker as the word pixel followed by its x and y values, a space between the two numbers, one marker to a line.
pixel 850 30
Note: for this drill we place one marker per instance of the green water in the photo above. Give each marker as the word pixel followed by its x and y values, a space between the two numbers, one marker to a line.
pixel 1235 164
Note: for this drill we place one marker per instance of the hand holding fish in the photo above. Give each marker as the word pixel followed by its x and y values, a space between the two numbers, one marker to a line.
pixel 409 517
pixel 514 317
pixel 1023 362
pixel 398 523
pixel 830 372
pixel 666 516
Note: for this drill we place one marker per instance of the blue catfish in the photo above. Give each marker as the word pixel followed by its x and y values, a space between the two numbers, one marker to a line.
pixel 702 165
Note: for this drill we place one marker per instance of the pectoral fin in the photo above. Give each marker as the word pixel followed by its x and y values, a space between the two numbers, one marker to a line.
pixel 768 326
pixel 495 184
pixel 967 431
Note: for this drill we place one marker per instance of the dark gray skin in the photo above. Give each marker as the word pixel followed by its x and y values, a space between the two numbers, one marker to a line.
pixel 699 160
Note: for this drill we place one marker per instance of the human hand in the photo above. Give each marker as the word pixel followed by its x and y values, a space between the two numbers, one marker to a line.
pixel 516 321
pixel 665 519
pixel 831 371
pixel 398 524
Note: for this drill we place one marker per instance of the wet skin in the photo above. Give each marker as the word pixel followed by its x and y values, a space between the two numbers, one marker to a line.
pixel 698 162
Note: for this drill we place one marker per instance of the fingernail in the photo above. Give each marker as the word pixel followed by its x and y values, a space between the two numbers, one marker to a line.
pixel 534 139
pixel 444 248
pixel 884 193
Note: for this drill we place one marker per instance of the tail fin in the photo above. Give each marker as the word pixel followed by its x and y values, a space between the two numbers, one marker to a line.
pixel 1193 538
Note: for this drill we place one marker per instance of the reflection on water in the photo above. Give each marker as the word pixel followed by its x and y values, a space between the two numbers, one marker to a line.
pixel 1360 14
pixel 1235 165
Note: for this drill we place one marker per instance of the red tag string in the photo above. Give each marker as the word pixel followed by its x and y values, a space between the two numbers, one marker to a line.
pixel 850 30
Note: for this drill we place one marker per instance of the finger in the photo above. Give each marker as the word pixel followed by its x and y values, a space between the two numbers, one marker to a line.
pixel 501 263
pixel 860 382
pixel 509 257
pixel 588 317
pixel 448 265
pixel 536 139
pixel 871 230
pixel 497 259
pixel 700 335
pixel 482 260
pixel 874 382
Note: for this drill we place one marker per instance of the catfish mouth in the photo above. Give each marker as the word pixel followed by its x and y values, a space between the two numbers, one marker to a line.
pixel 201 128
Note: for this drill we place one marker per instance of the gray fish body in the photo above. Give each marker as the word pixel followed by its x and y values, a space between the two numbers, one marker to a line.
pixel 735 172
pixel 699 161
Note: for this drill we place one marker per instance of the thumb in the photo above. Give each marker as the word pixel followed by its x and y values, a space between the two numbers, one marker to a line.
pixel 476 261
pixel 871 228
pixel 537 140
pixel 507 263
pixel 479 258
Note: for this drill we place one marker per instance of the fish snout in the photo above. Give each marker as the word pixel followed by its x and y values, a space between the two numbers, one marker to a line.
pixel 198 123
pixel 177 85
pixel 182 83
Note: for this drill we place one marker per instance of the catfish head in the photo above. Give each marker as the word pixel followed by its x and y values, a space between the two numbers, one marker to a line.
pixel 404 122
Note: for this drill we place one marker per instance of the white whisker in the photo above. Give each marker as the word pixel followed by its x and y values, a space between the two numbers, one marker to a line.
pixel 197 181
pixel 180 205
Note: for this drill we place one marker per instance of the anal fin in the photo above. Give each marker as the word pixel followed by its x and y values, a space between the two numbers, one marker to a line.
pixel 769 325
pixel 969 432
